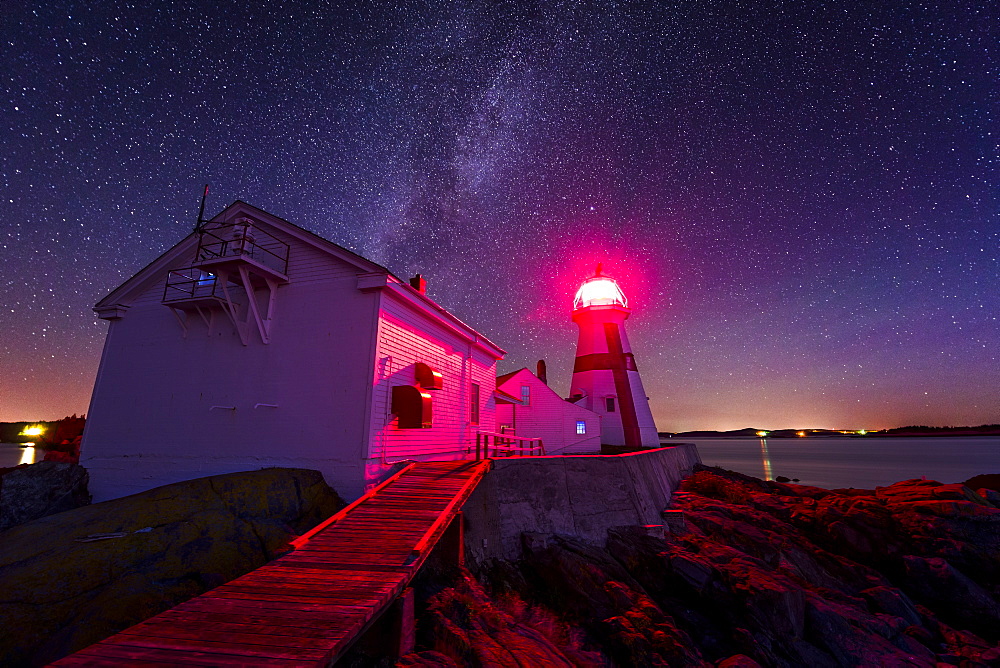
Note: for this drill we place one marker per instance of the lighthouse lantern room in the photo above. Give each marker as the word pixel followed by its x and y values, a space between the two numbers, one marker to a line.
pixel 605 377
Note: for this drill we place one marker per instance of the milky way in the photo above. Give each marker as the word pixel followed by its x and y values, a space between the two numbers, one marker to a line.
pixel 798 198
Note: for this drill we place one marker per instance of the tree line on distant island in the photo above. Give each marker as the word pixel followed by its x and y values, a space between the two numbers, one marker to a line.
pixel 60 439
pixel 912 430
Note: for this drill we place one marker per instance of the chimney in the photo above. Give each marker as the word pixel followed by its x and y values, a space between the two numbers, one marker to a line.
pixel 540 372
pixel 419 284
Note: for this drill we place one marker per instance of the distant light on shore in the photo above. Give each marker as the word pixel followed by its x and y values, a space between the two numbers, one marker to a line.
pixel 33 430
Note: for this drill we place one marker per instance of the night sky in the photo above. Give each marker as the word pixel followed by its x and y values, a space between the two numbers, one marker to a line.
pixel 798 198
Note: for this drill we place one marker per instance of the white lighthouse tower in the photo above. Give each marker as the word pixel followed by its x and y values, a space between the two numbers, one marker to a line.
pixel 605 377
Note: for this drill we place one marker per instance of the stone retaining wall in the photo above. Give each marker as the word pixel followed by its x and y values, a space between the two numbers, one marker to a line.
pixel 582 496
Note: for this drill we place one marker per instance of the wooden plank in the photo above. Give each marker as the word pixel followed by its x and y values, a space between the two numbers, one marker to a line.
pixel 270 623
pixel 200 632
pixel 332 549
pixel 374 511
pixel 365 534
pixel 306 593
pixel 336 557
pixel 318 579
pixel 373 573
pixel 314 564
pixel 322 612
pixel 101 653
pixel 81 659
pixel 380 596
pixel 359 534
pixel 208 646
pixel 350 544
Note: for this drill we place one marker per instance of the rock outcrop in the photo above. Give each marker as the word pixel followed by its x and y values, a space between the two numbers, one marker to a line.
pixel 71 579
pixel 36 490
pixel 762 573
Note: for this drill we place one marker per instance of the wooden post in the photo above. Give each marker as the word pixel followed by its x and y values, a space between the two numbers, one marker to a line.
pixel 403 624
pixel 451 546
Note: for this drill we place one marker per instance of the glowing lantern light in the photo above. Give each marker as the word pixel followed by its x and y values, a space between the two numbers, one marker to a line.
pixel 800 434
pixel 599 290
pixel 762 434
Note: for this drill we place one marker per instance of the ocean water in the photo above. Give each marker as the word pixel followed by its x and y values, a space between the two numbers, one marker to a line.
pixel 12 454
pixel 854 462
pixel 824 462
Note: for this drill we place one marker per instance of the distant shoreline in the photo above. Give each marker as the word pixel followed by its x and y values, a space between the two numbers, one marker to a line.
pixel 809 433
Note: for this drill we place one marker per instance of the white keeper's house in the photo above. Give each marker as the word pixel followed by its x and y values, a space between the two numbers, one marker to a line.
pixel 255 343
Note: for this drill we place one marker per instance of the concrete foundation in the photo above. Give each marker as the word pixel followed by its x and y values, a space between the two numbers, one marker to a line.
pixel 581 496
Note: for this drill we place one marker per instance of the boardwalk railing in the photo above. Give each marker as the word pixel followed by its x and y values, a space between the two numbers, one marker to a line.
pixel 490 444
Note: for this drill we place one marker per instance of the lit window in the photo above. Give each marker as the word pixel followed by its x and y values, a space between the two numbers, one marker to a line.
pixel 474 404
pixel 525 395
pixel 609 404
pixel 581 427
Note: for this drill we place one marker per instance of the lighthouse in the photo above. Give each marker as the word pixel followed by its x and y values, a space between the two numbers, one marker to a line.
pixel 605 377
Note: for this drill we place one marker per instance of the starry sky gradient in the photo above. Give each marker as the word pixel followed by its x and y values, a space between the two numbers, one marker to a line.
pixel 798 198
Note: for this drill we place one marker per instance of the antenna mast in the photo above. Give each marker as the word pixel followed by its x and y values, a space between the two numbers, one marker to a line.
pixel 201 211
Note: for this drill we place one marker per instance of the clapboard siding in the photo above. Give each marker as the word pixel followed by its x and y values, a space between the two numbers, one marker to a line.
pixel 405 337
pixel 307 264
pixel 172 403
pixel 548 417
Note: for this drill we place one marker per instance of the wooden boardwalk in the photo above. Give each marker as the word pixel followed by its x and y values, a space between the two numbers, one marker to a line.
pixel 307 607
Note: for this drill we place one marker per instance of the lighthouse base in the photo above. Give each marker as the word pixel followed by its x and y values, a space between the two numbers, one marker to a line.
pixel 612 449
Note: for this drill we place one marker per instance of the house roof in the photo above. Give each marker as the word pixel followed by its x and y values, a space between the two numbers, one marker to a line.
pixel 153 272
pixel 502 397
pixel 544 387
pixel 507 376
pixel 121 297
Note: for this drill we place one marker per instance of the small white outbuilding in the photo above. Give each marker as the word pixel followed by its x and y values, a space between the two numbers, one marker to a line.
pixel 255 343
pixel 533 409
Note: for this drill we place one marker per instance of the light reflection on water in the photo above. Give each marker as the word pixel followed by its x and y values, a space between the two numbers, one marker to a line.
pixel 12 454
pixel 28 454
pixel 862 462
pixel 765 458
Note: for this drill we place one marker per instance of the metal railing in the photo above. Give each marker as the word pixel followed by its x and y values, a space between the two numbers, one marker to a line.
pixel 194 283
pixel 507 445
pixel 242 239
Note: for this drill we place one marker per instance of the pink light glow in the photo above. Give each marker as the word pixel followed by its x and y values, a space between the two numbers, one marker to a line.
pixel 599 290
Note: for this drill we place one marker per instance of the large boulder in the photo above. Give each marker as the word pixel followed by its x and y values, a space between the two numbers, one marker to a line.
pixel 71 579
pixel 38 490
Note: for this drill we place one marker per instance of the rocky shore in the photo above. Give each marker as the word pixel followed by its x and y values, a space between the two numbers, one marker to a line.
pixel 72 578
pixel 750 573
pixel 762 573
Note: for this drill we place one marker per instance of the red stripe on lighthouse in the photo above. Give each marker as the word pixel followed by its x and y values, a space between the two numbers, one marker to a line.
pixel 630 422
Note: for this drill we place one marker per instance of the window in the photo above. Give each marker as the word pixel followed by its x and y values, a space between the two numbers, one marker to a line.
pixel 474 404
pixel 525 395
pixel 609 404
pixel 581 427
